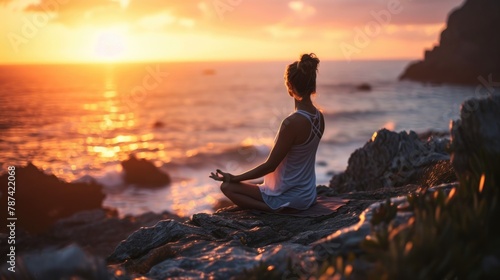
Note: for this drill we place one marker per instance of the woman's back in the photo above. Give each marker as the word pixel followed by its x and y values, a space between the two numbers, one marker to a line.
pixel 295 176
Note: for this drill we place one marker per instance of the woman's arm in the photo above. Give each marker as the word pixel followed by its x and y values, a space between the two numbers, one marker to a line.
pixel 284 142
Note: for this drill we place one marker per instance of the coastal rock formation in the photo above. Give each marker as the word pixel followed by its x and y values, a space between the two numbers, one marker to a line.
pixel 42 199
pixel 231 241
pixel 477 135
pixel 393 159
pixel 469 48
pixel 143 173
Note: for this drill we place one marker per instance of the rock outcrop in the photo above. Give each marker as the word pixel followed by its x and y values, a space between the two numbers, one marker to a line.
pixel 393 159
pixel 476 136
pixel 469 48
pixel 231 241
pixel 42 199
pixel 143 173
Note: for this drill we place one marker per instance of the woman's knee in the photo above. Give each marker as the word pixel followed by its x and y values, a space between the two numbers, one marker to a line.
pixel 225 187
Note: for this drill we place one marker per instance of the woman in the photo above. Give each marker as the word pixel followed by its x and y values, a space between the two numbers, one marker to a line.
pixel 289 175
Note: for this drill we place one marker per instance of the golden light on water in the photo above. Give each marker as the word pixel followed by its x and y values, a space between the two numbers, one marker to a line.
pixel 122 139
pixel 109 94
pixel 147 137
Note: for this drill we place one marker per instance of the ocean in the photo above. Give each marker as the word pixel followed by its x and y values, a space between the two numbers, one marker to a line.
pixel 76 121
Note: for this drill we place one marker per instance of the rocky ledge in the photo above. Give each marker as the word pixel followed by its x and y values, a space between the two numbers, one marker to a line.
pixel 225 244
pixel 467 50
pixel 232 241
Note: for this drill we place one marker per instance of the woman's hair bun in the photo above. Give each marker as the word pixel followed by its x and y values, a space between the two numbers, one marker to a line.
pixel 308 63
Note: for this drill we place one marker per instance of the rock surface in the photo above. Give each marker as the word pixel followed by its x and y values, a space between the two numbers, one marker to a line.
pixel 469 47
pixel 143 173
pixel 425 135
pixel 70 262
pixel 42 199
pixel 96 231
pixel 477 134
pixel 226 243
pixel 393 159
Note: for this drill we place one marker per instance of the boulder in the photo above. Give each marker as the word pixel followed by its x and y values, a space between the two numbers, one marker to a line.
pixel 41 199
pixel 476 136
pixel 364 87
pixel 392 159
pixel 468 48
pixel 143 173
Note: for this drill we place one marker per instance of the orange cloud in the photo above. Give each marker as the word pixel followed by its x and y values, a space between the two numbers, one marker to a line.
pixel 217 29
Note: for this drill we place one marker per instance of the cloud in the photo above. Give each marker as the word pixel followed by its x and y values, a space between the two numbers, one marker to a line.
pixel 415 32
pixel 102 12
pixel 277 18
pixel 301 9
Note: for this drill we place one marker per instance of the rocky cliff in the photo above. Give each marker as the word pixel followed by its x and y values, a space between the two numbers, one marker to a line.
pixel 469 48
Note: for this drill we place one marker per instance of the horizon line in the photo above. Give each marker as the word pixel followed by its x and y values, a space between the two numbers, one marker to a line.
pixel 41 63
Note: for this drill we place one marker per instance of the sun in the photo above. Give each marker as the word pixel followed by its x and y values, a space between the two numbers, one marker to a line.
pixel 110 44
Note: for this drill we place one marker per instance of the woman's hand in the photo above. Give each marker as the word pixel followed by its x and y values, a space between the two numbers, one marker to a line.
pixel 221 176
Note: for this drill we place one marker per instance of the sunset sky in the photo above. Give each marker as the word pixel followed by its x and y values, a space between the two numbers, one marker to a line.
pixel 59 31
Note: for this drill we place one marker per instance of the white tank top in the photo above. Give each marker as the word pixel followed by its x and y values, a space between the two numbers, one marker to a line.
pixel 297 168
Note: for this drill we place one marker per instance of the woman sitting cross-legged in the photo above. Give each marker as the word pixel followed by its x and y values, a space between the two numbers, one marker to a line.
pixel 289 174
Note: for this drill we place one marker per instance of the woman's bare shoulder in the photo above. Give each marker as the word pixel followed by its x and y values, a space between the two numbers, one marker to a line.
pixel 296 119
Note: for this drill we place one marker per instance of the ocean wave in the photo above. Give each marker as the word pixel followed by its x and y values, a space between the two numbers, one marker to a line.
pixel 345 88
pixel 355 114
pixel 341 141
pixel 242 154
